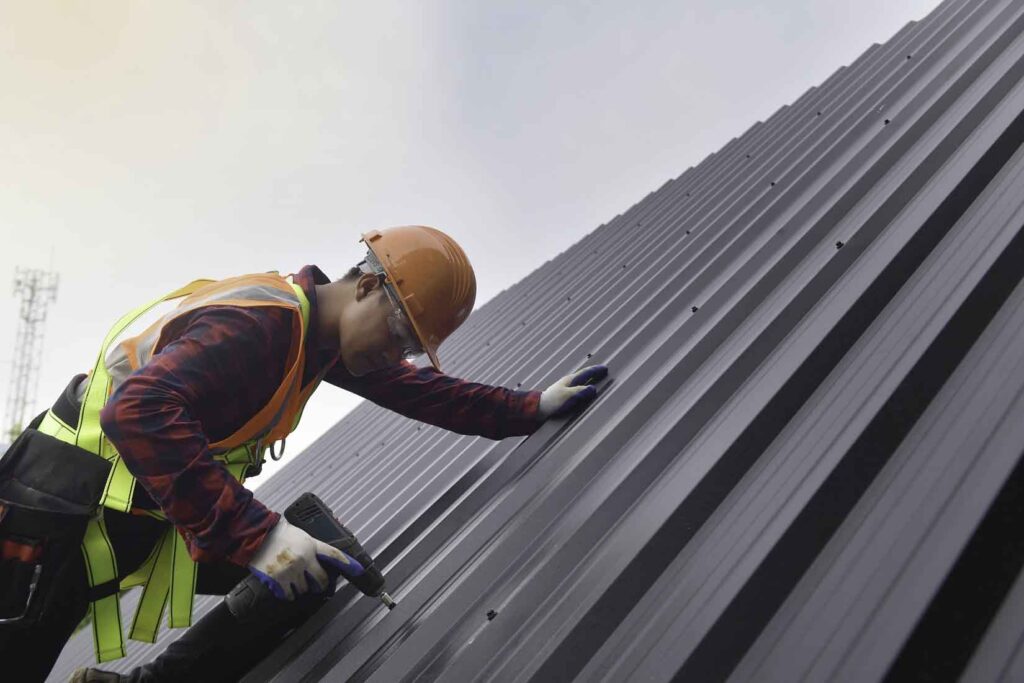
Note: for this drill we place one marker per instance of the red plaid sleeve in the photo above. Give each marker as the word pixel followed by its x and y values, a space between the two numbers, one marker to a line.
pixel 221 365
pixel 458 405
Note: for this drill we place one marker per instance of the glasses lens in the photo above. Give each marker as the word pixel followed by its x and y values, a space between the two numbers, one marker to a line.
pixel 401 334
pixel 399 326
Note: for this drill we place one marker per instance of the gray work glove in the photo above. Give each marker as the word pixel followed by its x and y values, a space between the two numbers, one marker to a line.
pixel 571 392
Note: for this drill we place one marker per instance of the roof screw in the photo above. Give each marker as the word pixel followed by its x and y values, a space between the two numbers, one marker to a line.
pixel 491 614
pixel 839 245
pixel 694 309
pixel 748 156
pixel 624 265
pixel 909 56
pixel 518 384
pixel 589 355
pixel 773 183
pixel 887 122
pixel 687 232
pixel 568 298
pixel 819 113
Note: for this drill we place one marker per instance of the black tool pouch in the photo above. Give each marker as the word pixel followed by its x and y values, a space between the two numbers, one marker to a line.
pixel 48 491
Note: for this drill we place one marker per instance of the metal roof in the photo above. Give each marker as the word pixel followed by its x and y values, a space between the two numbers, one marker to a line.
pixel 806 463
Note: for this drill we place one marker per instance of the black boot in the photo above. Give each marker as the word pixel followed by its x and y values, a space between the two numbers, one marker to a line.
pixel 219 648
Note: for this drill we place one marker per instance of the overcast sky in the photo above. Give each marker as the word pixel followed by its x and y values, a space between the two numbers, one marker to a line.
pixel 145 144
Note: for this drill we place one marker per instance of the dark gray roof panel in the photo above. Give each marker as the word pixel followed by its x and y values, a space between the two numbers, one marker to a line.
pixel 1000 656
pixel 805 464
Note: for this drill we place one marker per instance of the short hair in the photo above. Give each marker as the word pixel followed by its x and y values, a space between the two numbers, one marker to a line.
pixel 353 274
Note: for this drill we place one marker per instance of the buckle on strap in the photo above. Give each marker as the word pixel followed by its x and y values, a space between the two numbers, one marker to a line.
pixel 100 591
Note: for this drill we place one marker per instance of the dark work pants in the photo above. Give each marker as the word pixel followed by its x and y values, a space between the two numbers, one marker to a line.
pixel 215 648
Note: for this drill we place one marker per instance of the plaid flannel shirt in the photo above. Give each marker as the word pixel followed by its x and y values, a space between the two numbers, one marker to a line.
pixel 216 368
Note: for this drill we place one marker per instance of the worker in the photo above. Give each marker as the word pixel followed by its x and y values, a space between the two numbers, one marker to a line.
pixel 145 456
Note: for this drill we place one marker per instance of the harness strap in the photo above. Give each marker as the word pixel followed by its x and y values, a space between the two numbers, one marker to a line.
pixel 183 583
pixel 157 580
pixel 117 494
pixel 169 574
pixel 101 568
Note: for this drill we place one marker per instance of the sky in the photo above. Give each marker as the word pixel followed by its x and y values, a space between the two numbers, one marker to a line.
pixel 145 144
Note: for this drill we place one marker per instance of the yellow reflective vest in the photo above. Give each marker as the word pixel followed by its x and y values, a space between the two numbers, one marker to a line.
pixel 168 575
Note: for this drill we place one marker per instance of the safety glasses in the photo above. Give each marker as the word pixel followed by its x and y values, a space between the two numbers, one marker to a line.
pixel 399 326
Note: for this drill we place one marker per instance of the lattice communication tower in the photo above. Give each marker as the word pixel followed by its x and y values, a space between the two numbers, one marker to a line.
pixel 36 290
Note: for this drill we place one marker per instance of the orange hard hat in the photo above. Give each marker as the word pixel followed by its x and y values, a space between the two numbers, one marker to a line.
pixel 433 278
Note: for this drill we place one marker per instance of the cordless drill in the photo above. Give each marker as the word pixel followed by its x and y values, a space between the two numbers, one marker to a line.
pixel 249 598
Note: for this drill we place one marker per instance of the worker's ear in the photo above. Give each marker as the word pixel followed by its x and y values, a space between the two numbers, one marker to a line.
pixel 366 284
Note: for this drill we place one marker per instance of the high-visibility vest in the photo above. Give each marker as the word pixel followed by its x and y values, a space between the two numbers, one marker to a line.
pixel 168 575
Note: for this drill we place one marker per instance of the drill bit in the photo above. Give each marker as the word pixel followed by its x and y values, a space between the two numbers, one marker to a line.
pixel 388 602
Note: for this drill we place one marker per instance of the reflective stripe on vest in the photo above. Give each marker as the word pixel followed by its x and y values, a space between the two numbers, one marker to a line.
pixel 169 574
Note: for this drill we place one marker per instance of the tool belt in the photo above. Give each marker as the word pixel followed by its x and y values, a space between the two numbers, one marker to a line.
pixel 49 489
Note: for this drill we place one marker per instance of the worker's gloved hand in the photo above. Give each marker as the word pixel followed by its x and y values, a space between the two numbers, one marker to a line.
pixel 571 392
pixel 290 562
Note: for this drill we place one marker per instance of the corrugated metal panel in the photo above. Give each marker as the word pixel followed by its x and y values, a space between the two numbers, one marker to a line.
pixel 806 464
